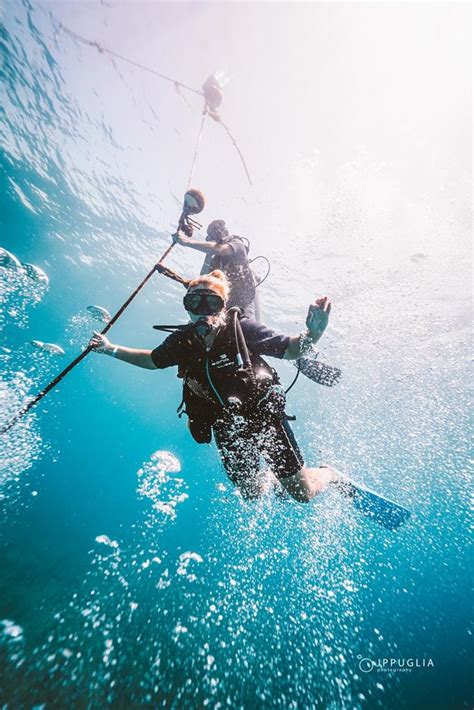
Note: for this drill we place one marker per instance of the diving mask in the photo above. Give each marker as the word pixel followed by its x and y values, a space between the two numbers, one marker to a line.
pixel 203 303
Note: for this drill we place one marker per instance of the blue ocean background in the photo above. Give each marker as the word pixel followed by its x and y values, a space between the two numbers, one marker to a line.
pixel 132 574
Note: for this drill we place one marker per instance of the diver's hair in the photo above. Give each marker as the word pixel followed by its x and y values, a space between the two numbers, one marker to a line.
pixel 216 223
pixel 216 280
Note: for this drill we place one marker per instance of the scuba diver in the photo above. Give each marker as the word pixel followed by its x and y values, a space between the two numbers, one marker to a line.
pixel 230 391
pixel 229 254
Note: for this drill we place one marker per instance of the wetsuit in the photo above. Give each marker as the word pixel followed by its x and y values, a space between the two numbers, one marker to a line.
pixel 247 421
pixel 236 267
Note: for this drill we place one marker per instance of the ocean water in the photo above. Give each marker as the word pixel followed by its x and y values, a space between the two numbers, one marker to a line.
pixel 132 574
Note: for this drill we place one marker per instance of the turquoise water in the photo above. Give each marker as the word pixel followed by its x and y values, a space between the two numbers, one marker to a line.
pixel 132 575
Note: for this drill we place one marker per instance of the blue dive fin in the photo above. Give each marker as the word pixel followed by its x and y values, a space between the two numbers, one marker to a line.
pixel 382 510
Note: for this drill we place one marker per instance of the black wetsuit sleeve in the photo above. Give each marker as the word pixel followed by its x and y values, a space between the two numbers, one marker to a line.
pixel 262 340
pixel 169 353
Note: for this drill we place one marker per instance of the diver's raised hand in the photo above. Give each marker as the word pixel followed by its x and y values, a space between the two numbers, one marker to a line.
pixel 316 323
pixel 100 344
pixel 318 317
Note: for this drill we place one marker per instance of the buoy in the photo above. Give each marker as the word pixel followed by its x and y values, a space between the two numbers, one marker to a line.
pixel 194 201
pixel 212 92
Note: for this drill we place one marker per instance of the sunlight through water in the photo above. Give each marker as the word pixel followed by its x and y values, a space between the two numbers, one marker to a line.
pixel 133 573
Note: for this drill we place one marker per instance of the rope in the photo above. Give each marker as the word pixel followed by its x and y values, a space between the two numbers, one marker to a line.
pixel 182 218
pixel 234 142
pixel 198 143
pixel 104 50
pixel 178 84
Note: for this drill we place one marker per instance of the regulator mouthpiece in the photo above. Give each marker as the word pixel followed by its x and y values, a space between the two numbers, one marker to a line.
pixel 202 328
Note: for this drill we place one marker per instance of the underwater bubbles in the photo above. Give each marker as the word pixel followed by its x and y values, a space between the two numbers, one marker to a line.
pixel 11 641
pixel 36 274
pixel 99 313
pixel 127 596
pixel 51 348
pixel 80 326
pixel 185 565
pixel 22 446
pixel 22 286
pixel 163 490
pixel 9 260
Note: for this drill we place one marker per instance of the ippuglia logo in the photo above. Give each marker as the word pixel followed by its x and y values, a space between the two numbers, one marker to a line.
pixel 393 665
